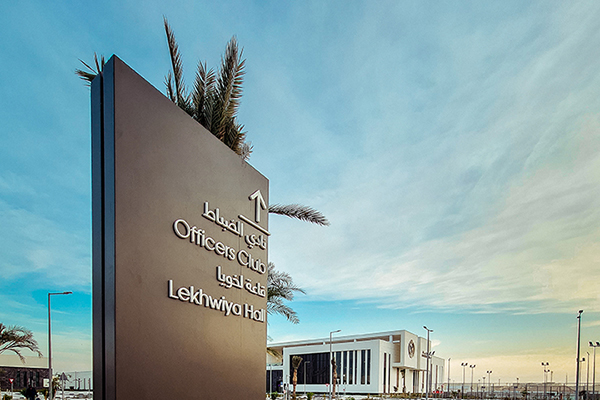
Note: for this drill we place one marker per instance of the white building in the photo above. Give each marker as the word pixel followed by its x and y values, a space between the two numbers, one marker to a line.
pixel 385 362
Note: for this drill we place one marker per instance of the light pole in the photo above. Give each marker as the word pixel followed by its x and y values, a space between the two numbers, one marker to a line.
pixel 50 343
pixel 305 362
pixel 545 365
pixel 462 391
pixel 330 362
pixel 483 388
pixel 427 379
pixel 578 346
pixel 587 381
pixel 472 367
pixel 270 378
pixel 449 378
pixel 581 361
pixel 594 370
pixel 489 382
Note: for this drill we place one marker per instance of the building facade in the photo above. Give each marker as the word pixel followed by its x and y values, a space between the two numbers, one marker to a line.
pixel 385 362
pixel 31 372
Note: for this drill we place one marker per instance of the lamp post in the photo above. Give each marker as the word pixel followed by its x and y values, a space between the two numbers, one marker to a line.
pixel 578 347
pixel 587 381
pixel 449 378
pixel 305 362
pixel 545 365
pixel 594 370
pixel 472 367
pixel 427 379
pixel 270 378
pixel 50 343
pixel 483 388
pixel 462 391
pixel 330 362
pixel 489 382
pixel 581 360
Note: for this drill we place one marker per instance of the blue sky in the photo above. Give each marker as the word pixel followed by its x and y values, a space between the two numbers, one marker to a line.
pixel 453 146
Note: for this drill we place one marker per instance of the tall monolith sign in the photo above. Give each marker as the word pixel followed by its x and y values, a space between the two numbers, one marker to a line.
pixel 179 252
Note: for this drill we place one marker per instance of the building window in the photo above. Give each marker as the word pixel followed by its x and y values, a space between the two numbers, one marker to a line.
pixel 317 369
pixel 384 372
pixel 338 366
pixel 362 367
pixel 344 368
pixel 369 367
pixel 356 367
pixel 351 368
pixel 389 373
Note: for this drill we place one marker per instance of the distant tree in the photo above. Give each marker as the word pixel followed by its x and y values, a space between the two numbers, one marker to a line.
pixel 296 360
pixel 15 339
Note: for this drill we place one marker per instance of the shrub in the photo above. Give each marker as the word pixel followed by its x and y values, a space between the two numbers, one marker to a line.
pixel 309 395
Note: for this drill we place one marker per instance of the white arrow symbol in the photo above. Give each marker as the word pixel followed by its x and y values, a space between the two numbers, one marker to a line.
pixel 259 204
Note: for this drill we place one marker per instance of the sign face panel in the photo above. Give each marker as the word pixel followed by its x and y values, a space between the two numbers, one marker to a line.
pixel 180 234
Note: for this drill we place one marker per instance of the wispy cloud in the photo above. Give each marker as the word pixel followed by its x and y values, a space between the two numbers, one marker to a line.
pixel 41 249
pixel 490 205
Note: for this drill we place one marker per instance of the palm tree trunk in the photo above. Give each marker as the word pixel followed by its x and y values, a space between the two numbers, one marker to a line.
pixel 294 382
pixel 334 366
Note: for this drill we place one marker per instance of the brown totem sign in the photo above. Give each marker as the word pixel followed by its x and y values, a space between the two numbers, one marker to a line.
pixel 180 233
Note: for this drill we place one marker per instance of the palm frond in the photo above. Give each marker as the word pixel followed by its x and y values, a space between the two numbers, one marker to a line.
pixel 229 88
pixel 273 352
pixel 88 76
pixel 277 307
pixel 182 100
pixel 16 338
pixel 245 150
pixel 296 361
pixel 303 213
pixel 169 84
pixel 204 87
pixel 280 287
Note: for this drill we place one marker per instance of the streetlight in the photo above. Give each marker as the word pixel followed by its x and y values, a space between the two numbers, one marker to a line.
pixel 50 342
pixel 578 346
pixel 594 370
pixel 305 362
pixel 489 381
pixel 330 362
pixel 427 379
pixel 587 381
pixel 270 378
pixel 483 388
pixel 448 377
pixel 545 365
pixel 462 392
pixel 472 367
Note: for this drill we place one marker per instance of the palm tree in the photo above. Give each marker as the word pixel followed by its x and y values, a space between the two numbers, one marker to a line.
pixel 15 339
pixel 296 360
pixel 214 102
pixel 280 287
